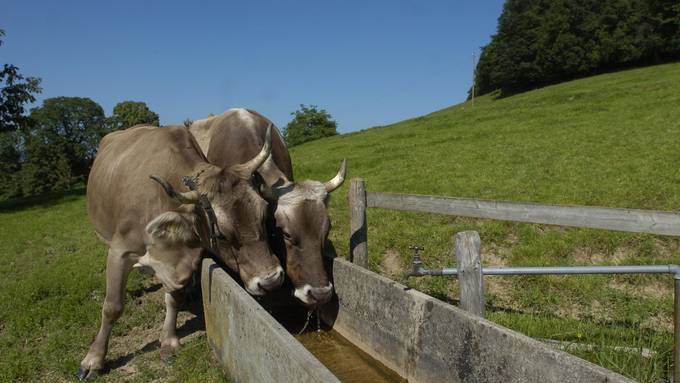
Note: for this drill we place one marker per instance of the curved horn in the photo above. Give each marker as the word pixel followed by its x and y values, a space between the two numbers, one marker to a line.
pixel 247 169
pixel 338 179
pixel 186 197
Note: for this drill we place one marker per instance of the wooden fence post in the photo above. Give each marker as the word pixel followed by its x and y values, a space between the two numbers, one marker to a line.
pixel 469 264
pixel 358 232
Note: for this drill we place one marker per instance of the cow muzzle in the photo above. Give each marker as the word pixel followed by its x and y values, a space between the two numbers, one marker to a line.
pixel 261 285
pixel 313 296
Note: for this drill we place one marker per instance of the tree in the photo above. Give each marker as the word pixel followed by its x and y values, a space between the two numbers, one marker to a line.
pixel 130 113
pixel 309 123
pixel 10 164
pixel 541 42
pixel 62 142
pixel 15 92
pixel 47 167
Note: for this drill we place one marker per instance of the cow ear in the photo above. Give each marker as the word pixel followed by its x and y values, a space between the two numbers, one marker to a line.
pixel 172 227
pixel 172 269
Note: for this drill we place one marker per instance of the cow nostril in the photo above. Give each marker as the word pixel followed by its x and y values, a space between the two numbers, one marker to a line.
pixel 275 274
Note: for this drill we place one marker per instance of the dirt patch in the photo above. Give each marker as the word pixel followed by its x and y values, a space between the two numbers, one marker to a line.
pixel 664 249
pixel 658 321
pixel 141 345
pixel 391 264
pixel 586 256
pixel 657 289
pixel 496 256
pixel 512 239
pixel 501 288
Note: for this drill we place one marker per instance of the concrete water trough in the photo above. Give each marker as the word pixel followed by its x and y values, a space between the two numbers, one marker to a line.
pixel 420 338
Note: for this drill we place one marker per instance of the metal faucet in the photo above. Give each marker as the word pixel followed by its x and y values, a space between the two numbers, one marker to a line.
pixel 416 263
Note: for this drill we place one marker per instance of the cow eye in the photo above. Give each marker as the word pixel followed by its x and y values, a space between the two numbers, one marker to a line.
pixel 286 235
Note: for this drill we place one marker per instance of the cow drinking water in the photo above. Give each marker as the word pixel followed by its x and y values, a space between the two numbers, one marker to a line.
pixel 147 223
pixel 300 208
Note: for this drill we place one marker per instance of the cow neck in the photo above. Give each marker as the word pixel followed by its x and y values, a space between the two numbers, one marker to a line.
pixel 207 216
pixel 205 208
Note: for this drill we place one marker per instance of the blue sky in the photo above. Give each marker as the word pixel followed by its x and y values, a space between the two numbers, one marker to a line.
pixel 368 63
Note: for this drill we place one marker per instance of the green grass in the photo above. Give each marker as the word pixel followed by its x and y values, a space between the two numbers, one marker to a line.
pixel 611 140
pixel 51 288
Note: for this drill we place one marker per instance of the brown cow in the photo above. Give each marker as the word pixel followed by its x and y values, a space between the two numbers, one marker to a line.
pixel 167 233
pixel 300 207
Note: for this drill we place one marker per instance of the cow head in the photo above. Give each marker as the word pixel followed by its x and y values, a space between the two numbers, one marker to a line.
pixel 240 213
pixel 301 215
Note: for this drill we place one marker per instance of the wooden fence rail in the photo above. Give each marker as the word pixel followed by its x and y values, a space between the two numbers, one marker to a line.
pixel 633 220
pixel 467 244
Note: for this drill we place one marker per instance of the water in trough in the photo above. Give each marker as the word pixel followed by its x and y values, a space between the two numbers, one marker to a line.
pixel 346 361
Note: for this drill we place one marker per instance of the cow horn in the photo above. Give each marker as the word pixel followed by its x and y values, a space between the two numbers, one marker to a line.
pixel 338 179
pixel 247 169
pixel 186 197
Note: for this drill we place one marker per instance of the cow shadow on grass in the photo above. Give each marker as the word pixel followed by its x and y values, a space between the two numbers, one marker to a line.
pixel 145 290
pixel 193 304
pixel 41 201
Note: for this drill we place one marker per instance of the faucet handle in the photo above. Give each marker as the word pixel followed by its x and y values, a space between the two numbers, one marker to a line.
pixel 416 250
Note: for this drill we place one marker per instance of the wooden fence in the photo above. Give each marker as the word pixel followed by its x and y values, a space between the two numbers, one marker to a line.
pixel 468 243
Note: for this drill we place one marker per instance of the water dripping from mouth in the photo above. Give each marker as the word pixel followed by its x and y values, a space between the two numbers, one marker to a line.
pixel 318 321
pixel 309 317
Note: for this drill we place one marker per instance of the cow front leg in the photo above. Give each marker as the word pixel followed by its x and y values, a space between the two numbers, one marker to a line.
pixel 118 268
pixel 169 339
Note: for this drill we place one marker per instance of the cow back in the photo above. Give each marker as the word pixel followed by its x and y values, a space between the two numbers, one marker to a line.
pixel 236 136
pixel 121 198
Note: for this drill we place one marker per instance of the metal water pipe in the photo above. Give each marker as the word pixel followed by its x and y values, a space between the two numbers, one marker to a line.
pixel 418 270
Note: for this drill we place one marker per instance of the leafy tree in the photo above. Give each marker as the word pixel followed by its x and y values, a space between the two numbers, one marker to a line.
pixel 541 42
pixel 10 164
pixel 130 113
pixel 62 141
pixel 47 167
pixel 309 123
pixel 15 92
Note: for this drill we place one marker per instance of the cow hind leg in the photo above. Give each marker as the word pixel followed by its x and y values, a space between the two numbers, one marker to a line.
pixel 118 266
pixel 169 339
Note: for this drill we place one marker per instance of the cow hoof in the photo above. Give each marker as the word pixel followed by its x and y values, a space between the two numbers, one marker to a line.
pixel 85 373
pixel 81 374
pixel 167 355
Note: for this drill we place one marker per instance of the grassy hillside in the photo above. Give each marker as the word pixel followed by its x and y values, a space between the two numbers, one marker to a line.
pixel 611 140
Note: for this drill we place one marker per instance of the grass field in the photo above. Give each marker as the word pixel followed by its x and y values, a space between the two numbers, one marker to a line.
pixel 611 140
pixel 51 289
